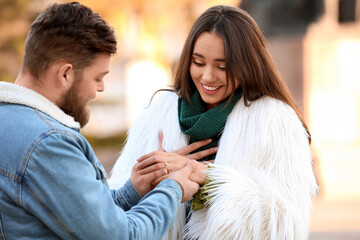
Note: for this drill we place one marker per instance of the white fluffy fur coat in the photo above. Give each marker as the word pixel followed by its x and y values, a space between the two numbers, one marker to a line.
pixel 263 171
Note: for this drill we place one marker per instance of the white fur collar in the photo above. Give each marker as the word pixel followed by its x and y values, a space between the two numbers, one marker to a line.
pixel 15 94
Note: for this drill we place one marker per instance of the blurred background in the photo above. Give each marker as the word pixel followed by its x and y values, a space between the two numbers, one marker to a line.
pixel 315 44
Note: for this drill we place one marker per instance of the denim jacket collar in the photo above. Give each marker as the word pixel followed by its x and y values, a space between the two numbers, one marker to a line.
pixel 15 94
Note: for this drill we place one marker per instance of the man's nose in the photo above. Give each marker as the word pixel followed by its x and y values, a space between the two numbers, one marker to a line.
pixel 101 86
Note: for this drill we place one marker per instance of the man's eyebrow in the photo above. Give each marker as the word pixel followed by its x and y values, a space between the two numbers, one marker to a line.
pixel 104 73
pixel 201 56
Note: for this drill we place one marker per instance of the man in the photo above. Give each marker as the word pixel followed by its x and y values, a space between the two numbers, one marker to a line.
pixel 51 184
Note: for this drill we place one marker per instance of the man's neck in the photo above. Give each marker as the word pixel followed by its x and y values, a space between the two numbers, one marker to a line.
pixel 26 80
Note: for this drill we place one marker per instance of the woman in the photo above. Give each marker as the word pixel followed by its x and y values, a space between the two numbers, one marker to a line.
pixel 227 88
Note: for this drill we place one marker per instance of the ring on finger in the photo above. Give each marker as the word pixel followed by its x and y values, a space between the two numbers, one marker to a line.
pixel 166 164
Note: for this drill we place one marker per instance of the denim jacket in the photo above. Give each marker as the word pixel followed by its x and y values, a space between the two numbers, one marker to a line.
pixel 53 187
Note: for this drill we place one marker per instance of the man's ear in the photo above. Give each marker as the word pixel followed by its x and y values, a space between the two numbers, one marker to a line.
pixel 66 75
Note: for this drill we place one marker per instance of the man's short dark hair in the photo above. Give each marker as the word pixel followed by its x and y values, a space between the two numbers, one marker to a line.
pixel 71 32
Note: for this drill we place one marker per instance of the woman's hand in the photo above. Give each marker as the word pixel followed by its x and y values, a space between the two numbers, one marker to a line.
pixel 198 175
pixel 174 160
pixel 161 160
pixel 192 147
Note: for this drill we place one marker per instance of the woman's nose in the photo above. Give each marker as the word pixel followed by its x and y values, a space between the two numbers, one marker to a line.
pixel 208 75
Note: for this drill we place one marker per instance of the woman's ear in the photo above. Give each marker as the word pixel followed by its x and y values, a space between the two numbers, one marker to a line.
pixel 66 75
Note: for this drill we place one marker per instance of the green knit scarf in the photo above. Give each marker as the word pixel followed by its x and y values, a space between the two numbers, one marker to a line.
pixel 200 123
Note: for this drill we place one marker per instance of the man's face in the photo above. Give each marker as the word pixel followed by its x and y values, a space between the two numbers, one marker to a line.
pixel 76 99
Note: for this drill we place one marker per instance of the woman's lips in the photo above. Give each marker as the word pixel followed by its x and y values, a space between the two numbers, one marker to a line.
pixel 210 89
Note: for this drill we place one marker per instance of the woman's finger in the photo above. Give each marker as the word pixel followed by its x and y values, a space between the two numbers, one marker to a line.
pixel 202 154
pixel 158 180
pixel 192 147
pixel 149 155
pixel 150 177
pixel 157 158
pixel 210 161
pixel 152 168
pixel 146 156
pixel 161 139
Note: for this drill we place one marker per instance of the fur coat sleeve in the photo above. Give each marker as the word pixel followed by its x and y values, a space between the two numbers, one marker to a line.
pixel 262 180
pixel 160 115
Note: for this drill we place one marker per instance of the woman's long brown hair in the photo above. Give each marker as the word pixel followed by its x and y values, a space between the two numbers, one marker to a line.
pixel 246 56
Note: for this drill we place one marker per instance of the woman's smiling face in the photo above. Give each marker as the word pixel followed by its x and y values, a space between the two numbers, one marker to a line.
pixel 207 69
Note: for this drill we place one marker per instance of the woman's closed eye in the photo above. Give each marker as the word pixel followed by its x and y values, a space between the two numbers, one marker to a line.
pixel 199 64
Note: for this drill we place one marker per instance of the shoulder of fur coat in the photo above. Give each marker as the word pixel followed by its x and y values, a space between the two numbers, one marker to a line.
pixel 262 182
pixel 160 115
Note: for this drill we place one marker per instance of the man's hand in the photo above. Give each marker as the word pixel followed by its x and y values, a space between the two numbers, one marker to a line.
pixel 189 178
pixel 183 178
pixel 142 183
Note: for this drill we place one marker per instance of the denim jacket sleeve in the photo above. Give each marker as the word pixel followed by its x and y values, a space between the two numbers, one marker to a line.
pixel 62 188
pixel 127 196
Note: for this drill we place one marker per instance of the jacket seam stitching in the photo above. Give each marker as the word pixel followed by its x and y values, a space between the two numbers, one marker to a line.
pixel 24 165
pixel 44 120
pixel 10 175
pixel 30 151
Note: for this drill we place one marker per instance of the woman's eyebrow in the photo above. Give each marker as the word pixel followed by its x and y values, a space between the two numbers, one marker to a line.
pixel 201 56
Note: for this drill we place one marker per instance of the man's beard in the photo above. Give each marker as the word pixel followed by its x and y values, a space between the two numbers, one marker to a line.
pixel 74 106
